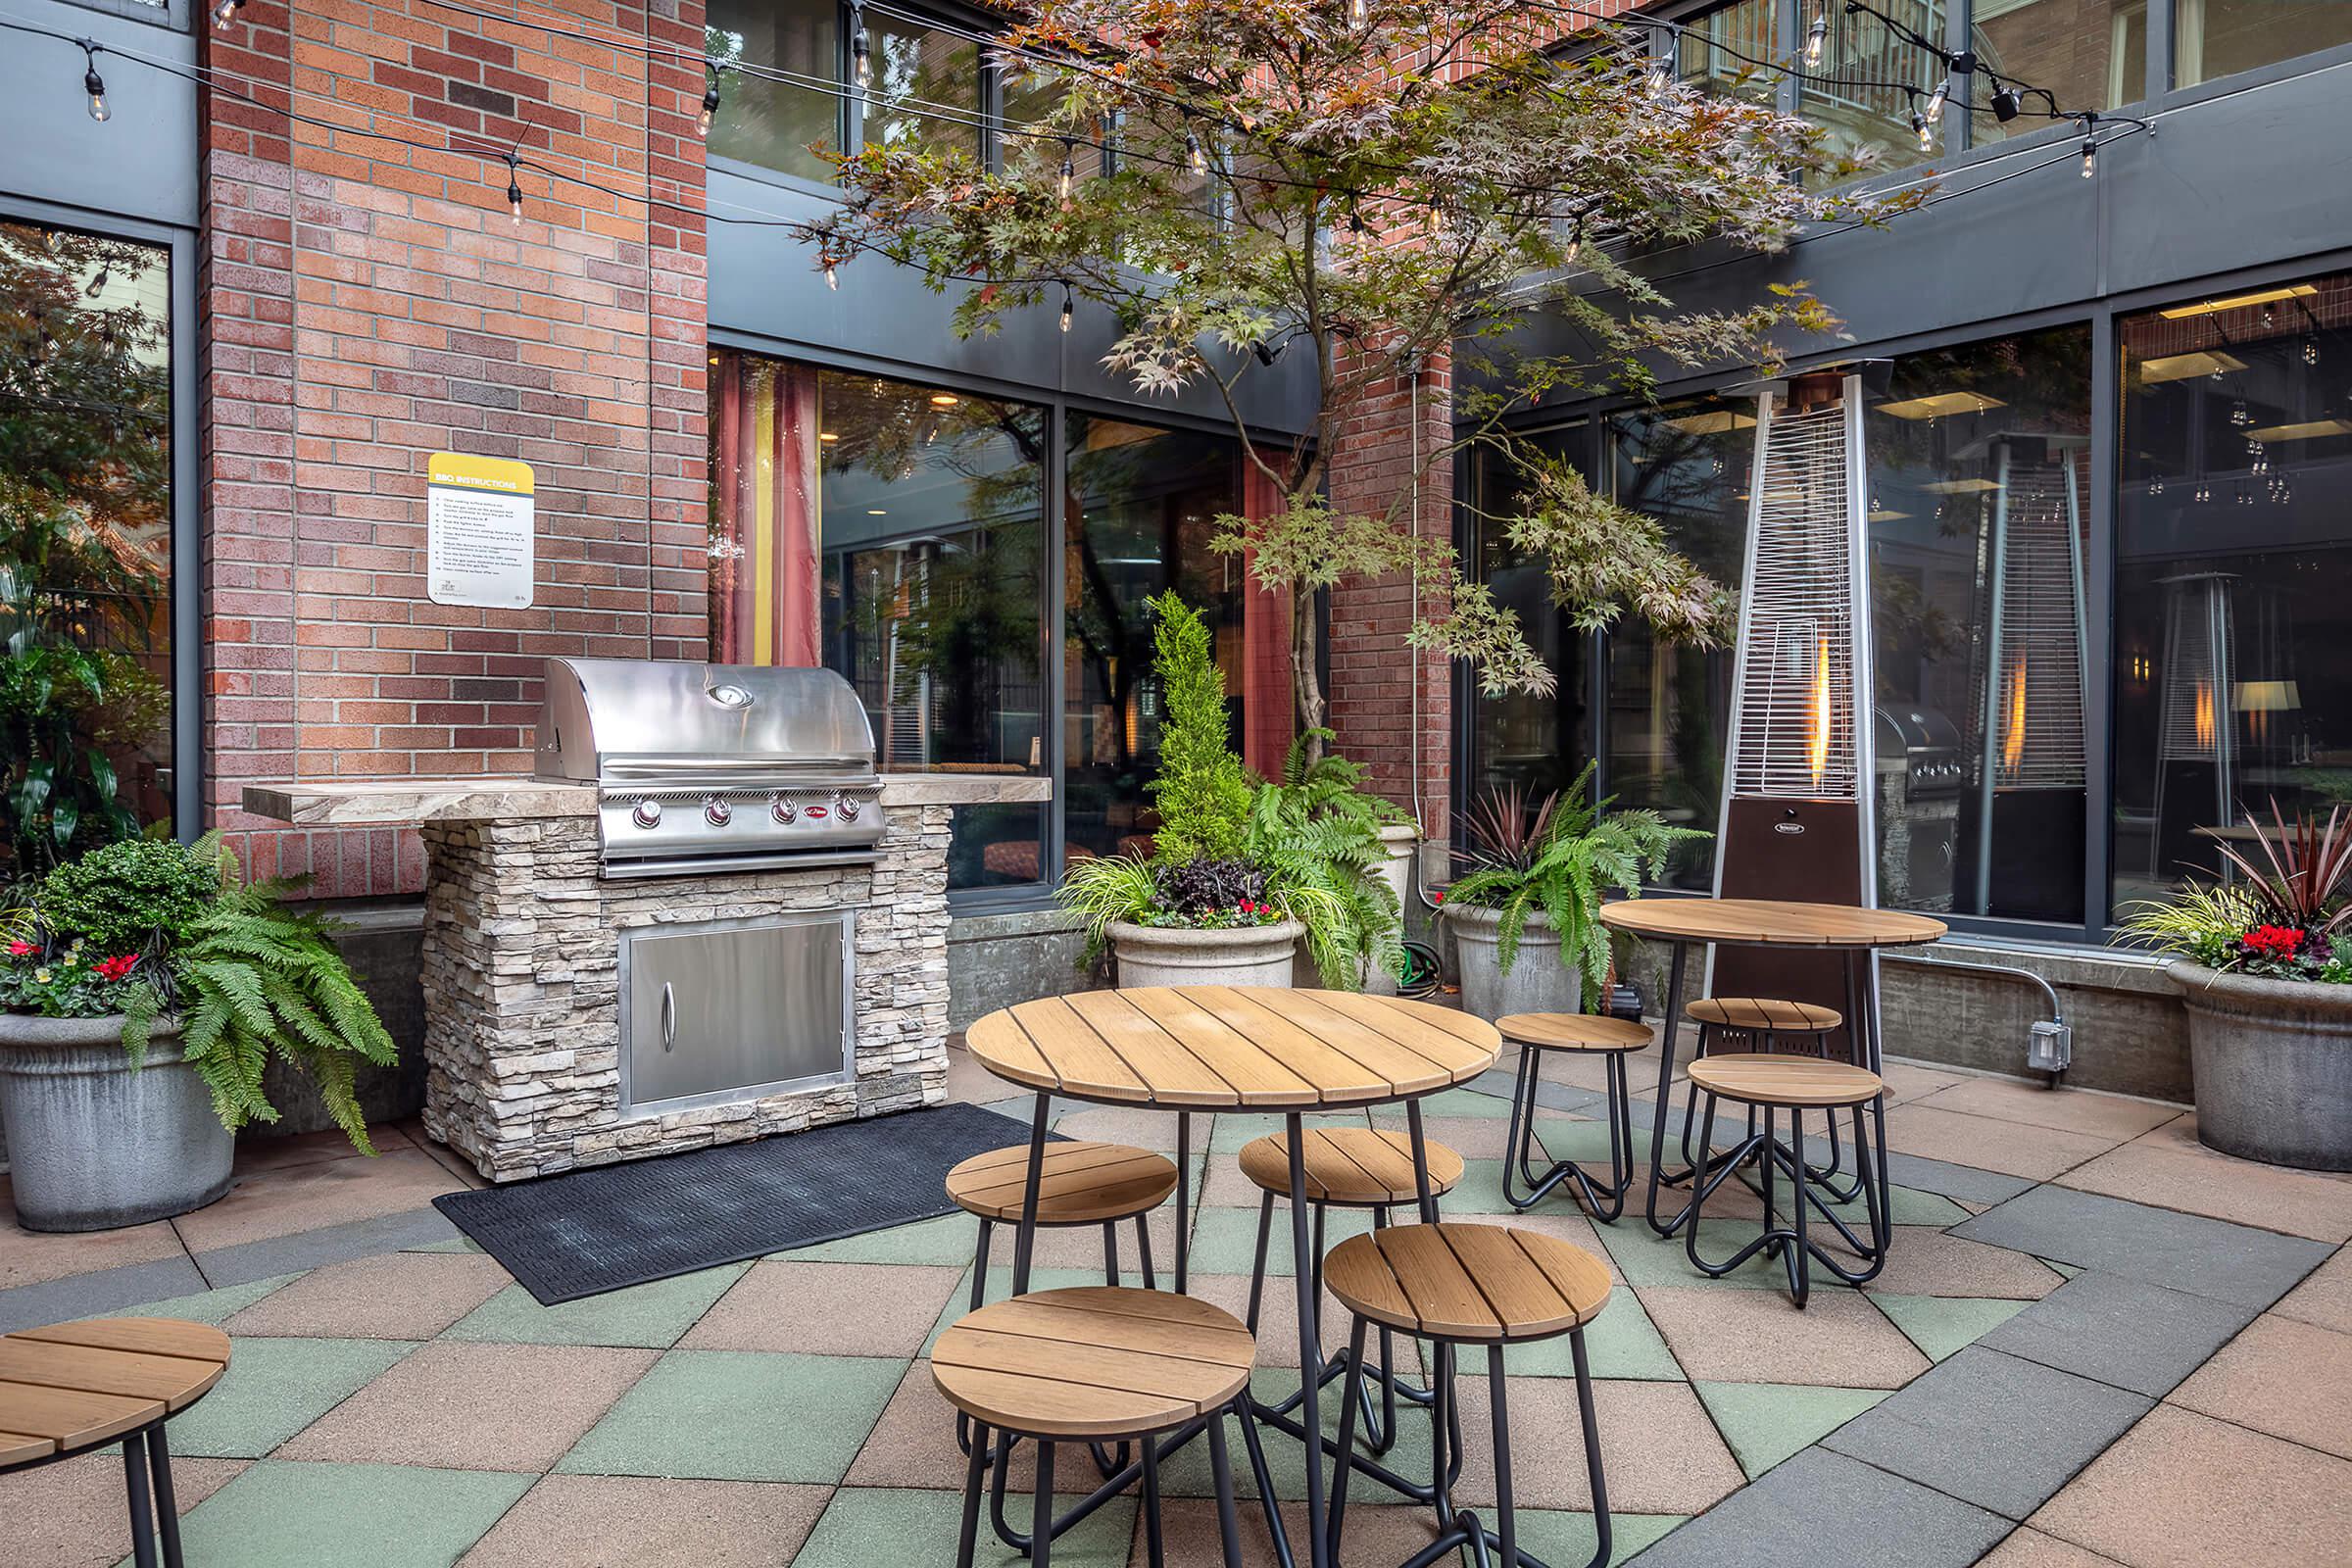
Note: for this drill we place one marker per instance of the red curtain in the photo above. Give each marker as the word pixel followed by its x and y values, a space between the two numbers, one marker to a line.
pixel 765 512
pixel 1267 701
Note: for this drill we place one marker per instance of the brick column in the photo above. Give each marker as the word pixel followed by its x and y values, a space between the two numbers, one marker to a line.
pixel 371 302
pixel 1374 675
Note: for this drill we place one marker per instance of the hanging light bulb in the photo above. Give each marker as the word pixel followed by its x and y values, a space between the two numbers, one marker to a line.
pixel 861 52
pixel 1067 310
pixel 1661 73
pixel 701 127
pixel 1196 156
pixel 227 12
pixel 832 274
pixel 1359 13
pixel 515 189
pixel 1069 173
pixel 2311 351
pixel 1935 100
pixel 95 85
pixel 1817 37
pixel 1925 132
pixel 2090 152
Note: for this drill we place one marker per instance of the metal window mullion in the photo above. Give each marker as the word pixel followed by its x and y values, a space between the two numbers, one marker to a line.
pixel 853 101
pixel 1055 720
pixel 2098 676
pixel 1789 93
pixel 1959 26
pixel 2164 39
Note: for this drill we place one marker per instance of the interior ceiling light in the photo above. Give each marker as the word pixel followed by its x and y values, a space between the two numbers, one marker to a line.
pixel 828 436
pixel 2239 301
pixel 945 400
pixel 2183 366
pixel 1884 515
pixel 1941 405
pixel 2306 431
pixel 1715 422
pixel 877 512
pixel 1959 487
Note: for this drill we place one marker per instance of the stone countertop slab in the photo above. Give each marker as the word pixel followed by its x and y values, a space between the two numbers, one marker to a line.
pixel 391 802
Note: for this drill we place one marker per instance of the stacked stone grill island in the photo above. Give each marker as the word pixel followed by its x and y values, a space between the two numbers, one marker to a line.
pixel 706 918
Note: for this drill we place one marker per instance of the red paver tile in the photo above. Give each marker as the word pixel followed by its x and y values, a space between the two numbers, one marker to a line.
pixel 399 1296
pixel 827 1309
pixel 607 1521
pixel 2291 1380
pixel 465 1407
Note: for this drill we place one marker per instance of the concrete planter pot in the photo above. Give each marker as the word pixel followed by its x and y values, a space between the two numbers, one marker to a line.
pixel 93 1144
pixel 1172 955
pixel 1535 983
pixel 2272 1064
pixel 1396 871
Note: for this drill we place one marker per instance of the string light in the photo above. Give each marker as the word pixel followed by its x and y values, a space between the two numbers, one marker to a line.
pixel 1196 156
pixel 861 52
pixel 1066 307
pixel 701 127
pixel 93 83
pixel 1069 172
pixel 1817 37
pixel 1925 132
pixel 2090 146
pixel 1936 100
pixel 225 13
pixel 1359 13
pixel 515 188
pixel 832 274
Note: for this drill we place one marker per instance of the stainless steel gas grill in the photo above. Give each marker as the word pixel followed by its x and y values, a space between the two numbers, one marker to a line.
pixel 713 767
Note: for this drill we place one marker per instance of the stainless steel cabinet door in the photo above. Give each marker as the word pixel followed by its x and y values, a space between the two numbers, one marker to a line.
pixel 719 1009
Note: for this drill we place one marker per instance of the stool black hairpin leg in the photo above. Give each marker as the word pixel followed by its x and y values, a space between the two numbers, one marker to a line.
pixel 1605 1204
pixel 967 1541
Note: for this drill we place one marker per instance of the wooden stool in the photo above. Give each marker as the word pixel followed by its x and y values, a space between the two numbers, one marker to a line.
pixel 1761 1023
pixel 1346 1167
pixel 1083 1184
pixel 75 1387
pixel 1772 1084
pixel 1613 1039
pixel 1478 1285
pixel 1094 1364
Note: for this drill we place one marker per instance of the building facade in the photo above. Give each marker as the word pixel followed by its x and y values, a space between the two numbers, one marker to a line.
pixel 289 264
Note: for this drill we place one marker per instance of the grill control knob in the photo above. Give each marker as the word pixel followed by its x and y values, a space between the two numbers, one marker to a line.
pixel 782 810
pixel 848 808
pixel 648 813
pixel 717 812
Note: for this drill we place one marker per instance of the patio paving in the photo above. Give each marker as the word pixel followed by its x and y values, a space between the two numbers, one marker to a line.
pixel 2099 1343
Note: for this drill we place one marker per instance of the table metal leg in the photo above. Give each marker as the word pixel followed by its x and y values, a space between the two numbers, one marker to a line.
pixel 1420 1139
pixel 1311 1354
pixel 1183 1194
pixel 1025 1244
pixel 1657 1130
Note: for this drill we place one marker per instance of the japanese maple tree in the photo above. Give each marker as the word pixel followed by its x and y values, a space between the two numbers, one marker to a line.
pixel 1386 186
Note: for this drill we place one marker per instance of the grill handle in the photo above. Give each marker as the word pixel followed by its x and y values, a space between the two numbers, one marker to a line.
pixel 669 1016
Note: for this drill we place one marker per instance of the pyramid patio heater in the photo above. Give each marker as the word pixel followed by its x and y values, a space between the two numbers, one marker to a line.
pixel 1796 819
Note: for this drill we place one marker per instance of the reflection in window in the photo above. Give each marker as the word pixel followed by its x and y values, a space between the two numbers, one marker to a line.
pixel 1138 514
pixel 2090 53
pixel 1536 743
pixel 1717 52
pixel 893 533
pixel 924 89
pixel 2212 38
pixel 1978 521
pixel 2233 587
pixel 1866 102
pixel 775 123
pixel 1669 713
pixel 85 542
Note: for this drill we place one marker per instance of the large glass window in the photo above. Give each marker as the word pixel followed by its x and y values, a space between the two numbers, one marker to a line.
pixel 1717 52
pixel 1978 516
pixel 2234 577
pixel 1537 743
pixel 1138 507
pixel 2214 38
pixel 2090 53
pixel 85 542
pixel 1669 711
pixel 1862 94
pixel 894 533
pixel 923 88
pixel 775 123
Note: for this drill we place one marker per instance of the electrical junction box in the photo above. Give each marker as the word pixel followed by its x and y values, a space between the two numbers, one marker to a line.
pixel 2050 1047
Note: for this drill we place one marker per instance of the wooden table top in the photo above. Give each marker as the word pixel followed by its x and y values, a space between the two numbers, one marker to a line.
pixel 1266 1046
pixel 1770 924
pixel 74 1385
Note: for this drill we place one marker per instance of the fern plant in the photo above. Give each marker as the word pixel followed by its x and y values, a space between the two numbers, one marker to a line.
pixel 1577 851
pixel 1316 833
pixel 247 977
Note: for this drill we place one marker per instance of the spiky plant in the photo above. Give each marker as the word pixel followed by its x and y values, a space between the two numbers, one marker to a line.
pixel 1564 868
pixel 1318 834
pixel 2199 922
pixel 2301 876
pixel 1106 888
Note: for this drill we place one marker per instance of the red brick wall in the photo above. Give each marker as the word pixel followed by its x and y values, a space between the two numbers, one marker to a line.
pixel 364 305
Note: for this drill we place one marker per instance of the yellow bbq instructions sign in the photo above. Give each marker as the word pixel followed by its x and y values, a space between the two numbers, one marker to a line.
pixel 479 546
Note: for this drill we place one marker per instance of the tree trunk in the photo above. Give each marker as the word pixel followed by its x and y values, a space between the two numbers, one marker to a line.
pixel 1306 685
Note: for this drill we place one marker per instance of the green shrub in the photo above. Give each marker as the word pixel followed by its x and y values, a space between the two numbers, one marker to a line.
pixel 1201 791
pixel 138 896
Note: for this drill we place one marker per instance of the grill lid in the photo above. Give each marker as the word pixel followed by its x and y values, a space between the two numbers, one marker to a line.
pixel 650 723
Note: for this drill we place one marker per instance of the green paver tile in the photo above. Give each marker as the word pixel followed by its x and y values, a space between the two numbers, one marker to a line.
pixel 211 1307
pixel 1646 1258
pixel 1907 1205
pixel 1941 1325
pixel 1568 1538
pixel 740 1415
pixel 1621 1343
pixel 949 1239
pixel 454 1243
pixel 1225 1240
pixel 1465 1103
pixel 874 1527
pixel 275 1387
pixel 643 1316
pixel 279 1514
pixel 1234 1128
pixel 2065 1270
pixel 1766 1422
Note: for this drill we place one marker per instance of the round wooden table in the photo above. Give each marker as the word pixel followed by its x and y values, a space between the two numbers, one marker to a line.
pixel 1847 929
pixel 1236 1047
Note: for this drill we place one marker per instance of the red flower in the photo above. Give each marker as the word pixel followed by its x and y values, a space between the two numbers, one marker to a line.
pixel 22 949
pixel 2274 941
pixel 115 968
pixel 1439 898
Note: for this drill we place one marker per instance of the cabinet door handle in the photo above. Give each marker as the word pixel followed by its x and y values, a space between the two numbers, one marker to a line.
pixel 669 1017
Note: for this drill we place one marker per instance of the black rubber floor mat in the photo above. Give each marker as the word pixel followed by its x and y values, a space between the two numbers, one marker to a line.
pixel 587 1232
